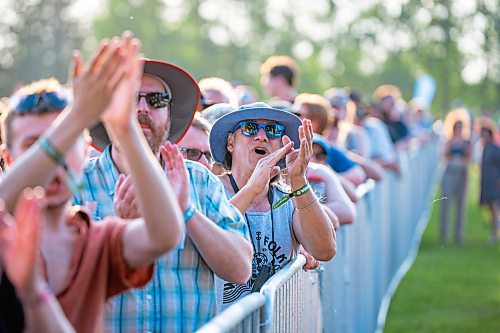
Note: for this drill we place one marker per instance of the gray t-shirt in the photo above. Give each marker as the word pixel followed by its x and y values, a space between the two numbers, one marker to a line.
pixel 281 250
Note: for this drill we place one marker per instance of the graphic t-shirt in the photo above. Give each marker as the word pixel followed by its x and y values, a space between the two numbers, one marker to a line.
pixel 269 251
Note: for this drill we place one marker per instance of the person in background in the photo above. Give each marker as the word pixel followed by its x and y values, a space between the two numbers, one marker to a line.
pixel 194 144
pixel 457 153
pixel 323 153
pixel 246 94
pixel 279 75
pixel 327 186
pixel 390 104
pixel 317 109
pixel 490 175
pixel 216 90
pixel 214 112
pixel 382 149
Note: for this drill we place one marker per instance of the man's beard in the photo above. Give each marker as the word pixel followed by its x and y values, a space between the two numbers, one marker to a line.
pixel 157 134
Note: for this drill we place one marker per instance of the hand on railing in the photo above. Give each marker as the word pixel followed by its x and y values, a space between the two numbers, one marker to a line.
pixel 311 263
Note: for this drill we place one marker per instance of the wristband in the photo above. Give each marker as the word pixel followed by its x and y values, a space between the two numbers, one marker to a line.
pixel 51 151
pixel 189 213
pixel 42 297
pixel 297 193
pixel 57 157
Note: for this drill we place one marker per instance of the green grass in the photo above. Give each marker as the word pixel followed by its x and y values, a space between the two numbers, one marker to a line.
pixel 451 288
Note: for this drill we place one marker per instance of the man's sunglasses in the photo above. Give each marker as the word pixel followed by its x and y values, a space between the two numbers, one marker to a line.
pixel 42 102
pixel 193 154
pixel 252 128
pixel 156 99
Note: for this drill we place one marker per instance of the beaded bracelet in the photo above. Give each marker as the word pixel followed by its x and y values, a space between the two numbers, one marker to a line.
pixel 297 193
pixel 189 213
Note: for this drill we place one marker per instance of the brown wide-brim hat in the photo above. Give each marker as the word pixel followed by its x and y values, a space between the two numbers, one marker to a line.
pixel 185 99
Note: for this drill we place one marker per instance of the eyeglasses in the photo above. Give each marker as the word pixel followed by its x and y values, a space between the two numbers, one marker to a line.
pixel 252 128
pixel 156 99
pixel 193 154
pixel 41 102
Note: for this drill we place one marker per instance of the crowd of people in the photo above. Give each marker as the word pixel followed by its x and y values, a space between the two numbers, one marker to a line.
pixel 134 198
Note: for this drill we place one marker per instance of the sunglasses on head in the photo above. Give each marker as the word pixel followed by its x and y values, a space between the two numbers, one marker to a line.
pixel 194 154
pixel 41 102
pixel 252 128
pixel 156 99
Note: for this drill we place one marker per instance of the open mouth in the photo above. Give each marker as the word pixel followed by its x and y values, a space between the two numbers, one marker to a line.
pixel 260 151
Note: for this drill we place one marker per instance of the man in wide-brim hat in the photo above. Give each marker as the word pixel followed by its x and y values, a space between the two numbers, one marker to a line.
pixel 254 143
pixel 182 294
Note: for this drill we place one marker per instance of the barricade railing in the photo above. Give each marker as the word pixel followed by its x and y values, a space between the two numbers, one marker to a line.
pixel 352 292
pixel 292 299
pixel 247 315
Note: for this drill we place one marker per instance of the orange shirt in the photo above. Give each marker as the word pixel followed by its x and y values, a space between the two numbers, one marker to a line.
pixel 97 271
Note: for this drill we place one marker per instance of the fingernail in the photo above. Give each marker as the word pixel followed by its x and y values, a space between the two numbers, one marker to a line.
pixel 38 192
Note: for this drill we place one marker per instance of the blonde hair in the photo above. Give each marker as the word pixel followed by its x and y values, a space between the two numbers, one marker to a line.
pixel 486 122
pixel 45 85
pixel 318 108
pixel 453 117
pixel 273 64
pixel 387 90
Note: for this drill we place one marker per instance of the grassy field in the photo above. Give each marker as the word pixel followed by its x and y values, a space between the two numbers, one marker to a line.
pixel 451 288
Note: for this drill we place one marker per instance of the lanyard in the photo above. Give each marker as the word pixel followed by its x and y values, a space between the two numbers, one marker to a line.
pixel 270 199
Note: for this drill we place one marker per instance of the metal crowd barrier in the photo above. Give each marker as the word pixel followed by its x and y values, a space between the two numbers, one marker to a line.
pixel 246 315
pixel 352 292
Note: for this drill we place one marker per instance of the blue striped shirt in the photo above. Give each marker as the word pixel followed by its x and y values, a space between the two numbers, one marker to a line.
pixel 181 296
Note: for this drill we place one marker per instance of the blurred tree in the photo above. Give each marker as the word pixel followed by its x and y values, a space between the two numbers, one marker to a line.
pixel 336 43
pixel 36 40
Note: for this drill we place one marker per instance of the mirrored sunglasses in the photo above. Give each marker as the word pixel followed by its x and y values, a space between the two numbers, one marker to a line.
pixel 252 128
pixel 41 102
pixel 156 99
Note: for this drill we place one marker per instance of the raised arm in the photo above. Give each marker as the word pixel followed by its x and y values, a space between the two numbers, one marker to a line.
pixel 226 252
pixel 161 225
pixel 93 88
pixel 19 242
pixel 311 224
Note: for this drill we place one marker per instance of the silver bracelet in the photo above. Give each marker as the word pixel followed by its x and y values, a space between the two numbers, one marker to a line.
pixel 308 206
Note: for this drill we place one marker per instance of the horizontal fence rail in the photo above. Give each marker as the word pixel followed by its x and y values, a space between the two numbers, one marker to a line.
pixel 352 293
pixel 244 316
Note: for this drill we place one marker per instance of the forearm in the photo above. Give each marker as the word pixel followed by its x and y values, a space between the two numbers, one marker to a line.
pixel 35 167
pixel 243 199
pixel 314 229
pixel 155 196
pixel 349 189
pixel 227 253
pixel 355 175
pixel 45 315
pixel 345 213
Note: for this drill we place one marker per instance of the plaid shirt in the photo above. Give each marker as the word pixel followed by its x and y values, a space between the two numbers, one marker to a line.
pixel 181 296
